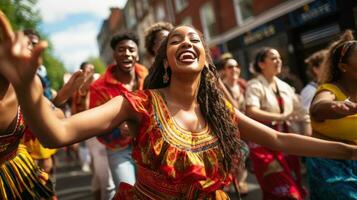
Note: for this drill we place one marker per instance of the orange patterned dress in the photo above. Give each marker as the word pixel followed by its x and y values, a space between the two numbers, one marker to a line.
pixel 172 163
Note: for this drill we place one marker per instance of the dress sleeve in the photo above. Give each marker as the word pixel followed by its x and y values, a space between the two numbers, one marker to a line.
pixel 139 100
pixel 115 139
pixel 253 94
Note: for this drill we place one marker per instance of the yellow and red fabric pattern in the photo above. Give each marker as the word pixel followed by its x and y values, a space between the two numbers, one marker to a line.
pixel 172 162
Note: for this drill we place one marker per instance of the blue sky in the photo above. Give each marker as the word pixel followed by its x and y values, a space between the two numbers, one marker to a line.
pixel 72 27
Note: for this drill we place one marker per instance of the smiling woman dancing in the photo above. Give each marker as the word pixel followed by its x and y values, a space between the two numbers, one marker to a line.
pixel 187 134
pixel 334 117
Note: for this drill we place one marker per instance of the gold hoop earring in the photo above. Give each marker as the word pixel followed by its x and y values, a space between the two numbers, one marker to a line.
pixel 165 77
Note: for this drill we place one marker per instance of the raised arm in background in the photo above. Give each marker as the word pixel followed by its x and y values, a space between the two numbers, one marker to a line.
pixel 19 67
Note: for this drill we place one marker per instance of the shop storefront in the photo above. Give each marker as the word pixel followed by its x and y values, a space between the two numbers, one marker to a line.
pixel 296 35
pixel 245 47
pixel 312 28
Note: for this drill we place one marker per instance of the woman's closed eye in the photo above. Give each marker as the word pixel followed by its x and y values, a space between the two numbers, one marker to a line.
pixel 174 42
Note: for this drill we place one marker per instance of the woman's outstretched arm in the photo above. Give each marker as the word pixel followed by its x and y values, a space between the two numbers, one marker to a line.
pixel 19 66
pixel 55 132
pixel 324 106
pixel 290 143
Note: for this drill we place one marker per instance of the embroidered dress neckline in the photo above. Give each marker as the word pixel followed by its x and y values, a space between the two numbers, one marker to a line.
pixel 184 140
pixel 204 130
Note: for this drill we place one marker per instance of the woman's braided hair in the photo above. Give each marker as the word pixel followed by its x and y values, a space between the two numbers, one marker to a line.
pixel 338 52
pixel 211 101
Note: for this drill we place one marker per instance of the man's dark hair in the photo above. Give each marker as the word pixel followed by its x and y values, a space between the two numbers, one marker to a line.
pixel 116 39
pixel 31 32
pixel 83 65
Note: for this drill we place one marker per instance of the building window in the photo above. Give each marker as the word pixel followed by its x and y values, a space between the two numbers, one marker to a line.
pixel 208 20
pixel 142 7
pixel 139 9
pixel 187 21
pixel 244 10
pixel 145 4
pixel 130 15
pixel 180 5
pixel 160 12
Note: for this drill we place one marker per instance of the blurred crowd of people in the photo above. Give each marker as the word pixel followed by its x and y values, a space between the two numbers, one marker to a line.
pixel 152 148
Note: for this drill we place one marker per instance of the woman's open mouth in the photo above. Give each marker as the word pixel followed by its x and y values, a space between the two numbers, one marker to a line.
pixel 187 57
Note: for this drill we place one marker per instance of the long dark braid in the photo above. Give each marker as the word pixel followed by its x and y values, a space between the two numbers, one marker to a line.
pixel 216 112
pixel 211 101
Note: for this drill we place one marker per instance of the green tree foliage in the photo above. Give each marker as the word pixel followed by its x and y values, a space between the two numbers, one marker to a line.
pixel 99 66
pixel 23 14
pixel 55 70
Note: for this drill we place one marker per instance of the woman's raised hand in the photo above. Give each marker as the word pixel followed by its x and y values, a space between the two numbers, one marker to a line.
pixel 73 84
pixel 17 63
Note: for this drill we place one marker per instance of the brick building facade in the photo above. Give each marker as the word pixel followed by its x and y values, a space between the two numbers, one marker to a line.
pixel 296 28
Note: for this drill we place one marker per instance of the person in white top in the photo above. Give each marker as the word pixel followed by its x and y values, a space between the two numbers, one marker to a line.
pixel 275 104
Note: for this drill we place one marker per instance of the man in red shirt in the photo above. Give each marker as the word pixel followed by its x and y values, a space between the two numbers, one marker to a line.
pixel 125 75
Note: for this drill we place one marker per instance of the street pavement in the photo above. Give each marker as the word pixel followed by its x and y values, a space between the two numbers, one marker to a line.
pixel 254 190
pixel 71 182
pixel 74 184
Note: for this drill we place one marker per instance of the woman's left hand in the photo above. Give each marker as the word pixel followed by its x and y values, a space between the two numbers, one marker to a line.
pixel 17 63
pixel 344 107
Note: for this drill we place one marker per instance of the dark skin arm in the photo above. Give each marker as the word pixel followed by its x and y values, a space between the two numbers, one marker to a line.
pixel 324 106
pixel 19 67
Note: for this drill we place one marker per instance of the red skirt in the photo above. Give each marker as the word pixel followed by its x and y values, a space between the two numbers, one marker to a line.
pixel 278 175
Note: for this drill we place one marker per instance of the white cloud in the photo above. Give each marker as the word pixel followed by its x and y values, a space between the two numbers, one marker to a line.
pixel 55 10
pixel 76 44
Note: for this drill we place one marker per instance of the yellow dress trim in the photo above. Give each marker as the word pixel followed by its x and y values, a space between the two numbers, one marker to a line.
pixel 343 128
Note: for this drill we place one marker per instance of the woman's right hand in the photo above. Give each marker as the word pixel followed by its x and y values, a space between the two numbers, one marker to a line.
pixel 87 81
pixel 17 63
pixel 344 108
pixel 286 116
